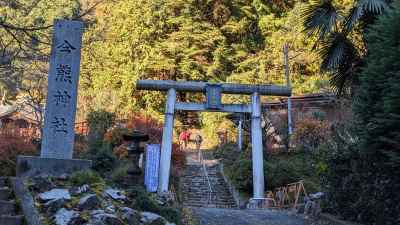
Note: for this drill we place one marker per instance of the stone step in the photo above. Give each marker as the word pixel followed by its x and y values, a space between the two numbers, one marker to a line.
pixel 3 181
pixel 196 190
pixel 231 204
pixel 11 220
pixel 211 201
pixel 7 207
pixel 5 193
pixel 195 204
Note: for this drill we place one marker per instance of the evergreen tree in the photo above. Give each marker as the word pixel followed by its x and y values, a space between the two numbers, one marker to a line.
pixel 365 178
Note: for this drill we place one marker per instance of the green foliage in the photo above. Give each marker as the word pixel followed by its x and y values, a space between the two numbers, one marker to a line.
pixel 338 34
pixel 363 170
pixel 120 172
pixel 25 33
pixel 114 137
pixel 145 202
pixel 104 159
pixel 98 122
pixel 85 177
pixel 217 41
pixel 279 170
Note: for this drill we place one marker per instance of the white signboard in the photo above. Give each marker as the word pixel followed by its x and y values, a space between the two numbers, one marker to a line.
pixel 152 167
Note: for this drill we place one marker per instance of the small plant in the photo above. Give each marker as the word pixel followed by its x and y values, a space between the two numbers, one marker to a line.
pixel 85 177
pixel 145 202
pixel 119 173
pixel 103 160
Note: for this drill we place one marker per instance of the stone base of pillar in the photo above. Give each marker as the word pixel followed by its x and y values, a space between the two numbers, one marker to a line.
pixel 260 203
pixel 28 166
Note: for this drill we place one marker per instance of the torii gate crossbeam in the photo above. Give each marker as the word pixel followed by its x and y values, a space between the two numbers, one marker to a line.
pixel 213 95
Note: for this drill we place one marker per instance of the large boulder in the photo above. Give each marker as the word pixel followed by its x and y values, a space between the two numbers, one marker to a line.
pixel 149 218
pixel 79 190
pixel 105 219
pixel 90 201
pixel 130 216
pixel 55 193
pixel 115 194
pixel 64 216
pixel 54 205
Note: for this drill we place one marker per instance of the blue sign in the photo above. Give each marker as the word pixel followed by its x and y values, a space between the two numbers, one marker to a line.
pixel 213 95
pixel 152 167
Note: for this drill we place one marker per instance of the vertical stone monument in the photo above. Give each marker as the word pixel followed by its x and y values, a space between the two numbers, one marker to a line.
pixel 59 123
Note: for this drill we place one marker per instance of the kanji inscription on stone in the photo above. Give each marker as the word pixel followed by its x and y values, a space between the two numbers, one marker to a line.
pixel 58 132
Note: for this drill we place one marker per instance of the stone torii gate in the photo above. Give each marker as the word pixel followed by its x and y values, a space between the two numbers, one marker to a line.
pixel 213 103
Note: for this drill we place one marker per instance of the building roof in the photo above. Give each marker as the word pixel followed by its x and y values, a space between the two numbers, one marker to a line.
pixel 6 110
pixel 19 109
pixel 317 99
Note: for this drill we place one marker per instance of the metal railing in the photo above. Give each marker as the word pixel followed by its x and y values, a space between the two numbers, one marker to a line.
pixel 206 176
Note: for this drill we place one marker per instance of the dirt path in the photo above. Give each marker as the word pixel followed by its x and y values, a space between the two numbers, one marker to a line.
pixel 215 216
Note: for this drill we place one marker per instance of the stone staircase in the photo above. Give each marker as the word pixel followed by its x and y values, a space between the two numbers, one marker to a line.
pixel 9 210
pixel 196 192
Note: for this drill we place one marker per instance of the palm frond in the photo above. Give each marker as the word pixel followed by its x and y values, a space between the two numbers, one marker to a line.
pixel 338 54
pixel 320 18
pixel 361 8
pixel 336 50
pixel 373 6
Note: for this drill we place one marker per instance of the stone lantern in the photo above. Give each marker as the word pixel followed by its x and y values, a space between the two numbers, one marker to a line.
pixel 133 141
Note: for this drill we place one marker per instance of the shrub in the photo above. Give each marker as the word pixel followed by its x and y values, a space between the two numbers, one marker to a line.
pixel 279 170
pixel 99 122
pixel 310 133
pixel 115 136
pixel 147 125
pixel 103 160
pixel 13 144
pixel 85 177
pixel 145 202
pixel 120 172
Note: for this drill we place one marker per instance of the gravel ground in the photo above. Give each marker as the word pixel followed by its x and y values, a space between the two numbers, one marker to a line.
pixel 215 216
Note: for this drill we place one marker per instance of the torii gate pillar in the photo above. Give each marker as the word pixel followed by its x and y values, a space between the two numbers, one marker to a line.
pixel 257 147
pixel 166 145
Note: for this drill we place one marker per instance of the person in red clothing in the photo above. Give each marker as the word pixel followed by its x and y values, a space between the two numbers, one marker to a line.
pixel 183 139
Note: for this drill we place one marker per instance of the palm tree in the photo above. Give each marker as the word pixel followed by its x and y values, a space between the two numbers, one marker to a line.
pixel 335 42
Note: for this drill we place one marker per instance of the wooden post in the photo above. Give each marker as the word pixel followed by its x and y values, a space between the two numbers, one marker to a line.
pixel 166 145
pixel 288 84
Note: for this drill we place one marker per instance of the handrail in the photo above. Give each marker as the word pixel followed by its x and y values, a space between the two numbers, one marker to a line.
pixel 210 190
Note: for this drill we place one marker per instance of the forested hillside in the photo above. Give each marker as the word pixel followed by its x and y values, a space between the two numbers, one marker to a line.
pixel 216 41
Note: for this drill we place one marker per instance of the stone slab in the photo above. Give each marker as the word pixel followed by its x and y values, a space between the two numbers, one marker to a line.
pixel 27 204
pixel 29 166
pixel 7 207
pixel 11 220
pixel 58 130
